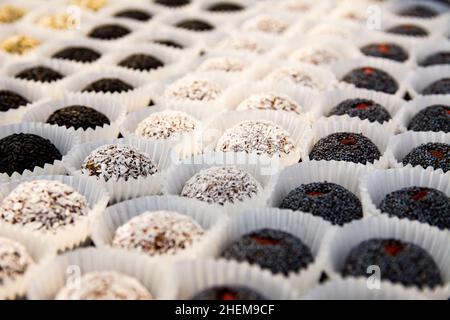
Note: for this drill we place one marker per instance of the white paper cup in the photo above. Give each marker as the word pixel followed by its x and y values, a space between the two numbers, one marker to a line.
pixel 420 79
pixel 426 49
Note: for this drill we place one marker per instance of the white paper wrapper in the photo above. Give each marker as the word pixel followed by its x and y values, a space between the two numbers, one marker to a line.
pixel 203 274
pixel 65 269
pixel 337 29
pixel 211 218
pixel 160 154
pixel 423 77
pixel 69 236
pixel 60 137
pixel 428 48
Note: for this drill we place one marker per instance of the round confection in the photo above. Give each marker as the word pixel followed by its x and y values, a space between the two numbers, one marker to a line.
pixel 172 3
pixel 441 86
pixel 345 146
pixel 276 250
pixel 142 62
pixel 44 205
pixel 57 21
pixel 39 74
pixel 296 76
pixel 114 162
pixel 19 44
pixel 225 6
pixel 111 85
pixel 26 151
pixel 433 118
pixel 316 55
pixel 78 117
pixel 104 285
pixel 389 51
pixel 426 205
pixel 79 54
pixel 93 5
pixel 442 57
pixel 372 79
pixel 270 101
pixel 241 44
pixel 436 155
pixel 11 100
pixel 166 124
pixel 223 64
pixel 109 32
pixel 15 261
pixel 399 262
pixel 158 233
pixel 134 14
pixel 221 185
pixel 363 109
pixel 10 13
pixel 266 24
pixel 408 30
pixel 228 293
pixel 195 25
pixel 419 11
pixel 259 136
pixel 193 89
pixel 169 43
pixel 329 201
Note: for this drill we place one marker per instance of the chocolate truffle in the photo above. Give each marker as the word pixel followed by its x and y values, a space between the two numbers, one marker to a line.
pixel 408 30
pixel 134 14
pixel 44 205
pixel 39 74
pixel 441 86
pixel 433 118
pixel 426 205
pixel 266 24
pixel 11 100
pixel 25 151
pixel 114 162
pixel 158 233
pixel 78 54
pixel 363 109
pixel 10 13
pixel 259 136
pixel 172 3
pixel 228 293
pixel 19 44
pixel 142 62
pixel 221 185
pixel 276 250
pixel 109 32
pixel 372 79
pixel 15 261
pixel 419 11
pixel 104 285
pixel 193 89
pixel 389 51
pixel 317 55
pixel 400 262
pixel 169 43
pixel 436 155
pixel 329 201
pixel 270 101
pixel 296 76
pixel 78 117
pixel 437 58
pixel 194 25
pixel 223 64
pixel 225 7
pixel 111 85
pixel 345 146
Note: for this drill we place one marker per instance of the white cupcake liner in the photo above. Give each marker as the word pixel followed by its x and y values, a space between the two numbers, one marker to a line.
pixel 211 218
pixel 424 50
pixel 39 252
pixel 70 236
pixel 423 77
pixel 402 144
pixel 395 7
pixel 207 273
pixel 56 273
pixel 332 28
pixel 160 154
pixel 338 244
pixel 60 137
pixel 114 111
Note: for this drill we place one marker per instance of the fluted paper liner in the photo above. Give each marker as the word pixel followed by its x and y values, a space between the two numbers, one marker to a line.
pixel 423 77
pixel 426 49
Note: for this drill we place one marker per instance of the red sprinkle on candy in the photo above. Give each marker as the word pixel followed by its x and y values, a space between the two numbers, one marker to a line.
pixel 368 70
pixel 437 154
pixel 419 195
pixel 393 249
pixel 227 295
pixel 361 106
pixel 448 110
pixel 315 193
pixel 384 48
pixel 348 141
pixel 265 241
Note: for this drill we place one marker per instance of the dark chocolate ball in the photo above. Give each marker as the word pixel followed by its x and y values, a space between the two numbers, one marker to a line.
pixel 441 86
pixel 79 54
pixel 142 62
pixel 437 58
pixel 433 118
pixel 39 74
pixel 78 117
pixel 108 85
pixel 134 14
pixel 109 32
pixel 225 7
pixel 389 51
pixel 436 155
pixel 172 3
pixel 408 30
pixel 419 11
pixel 363 109
pixel 11 100
pixel 169 43
pixel 372 79
pixel 194 25
pixel 228 293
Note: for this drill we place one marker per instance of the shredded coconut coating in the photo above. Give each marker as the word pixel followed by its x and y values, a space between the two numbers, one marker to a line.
pixel 93 5
pixel 118 162
pixel 14 260
pixel 166 124
pixel 43 205
pixel 242 44
pixel 104 285
pixel 10 13
pixel 270 101
pixel 262 137
pixel 158 233
pixel 19 44
pixel 224 64
pixel 221 185
pixel 296 76
pixel 316 55
pixel 57 21
pixel 193 89
pixel 266 24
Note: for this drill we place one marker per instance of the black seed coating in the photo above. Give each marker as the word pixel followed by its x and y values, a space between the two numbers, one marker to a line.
pixel 372 79
pixel 79 54
pixel 399 262
pixel 389 51
pixel 441 86
pixel 78 117
pixel 363 109
pixel 419 11
pixel 108 85
pixel 194 25
pixel 228 293
pixel 436 58
pixel 433 118
pixel 172 3
pixel 225 6
pixel 11 100
pixel 169 43
pixel 21 151
pixel 345 146
pixel 271 249
pixel 143 62
pixel 436 155
pixel 329 201
pixel 134 14
pixel 109 32
pixel 408 30
pixel 40 74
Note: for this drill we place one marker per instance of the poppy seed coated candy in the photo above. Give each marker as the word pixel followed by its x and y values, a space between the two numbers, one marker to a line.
pixel 134 14
pixel 172 3
pixel 231 292
pixel 11 100
pixel 142 62
pixel 441 86
pixel 39 74
pixel 78 117
pixel 408 30
pixel 111 85
pixel 419 11
pixel 436 59
pixel 225 6
pixel 195 25
pixel 109 32
pixel 389 51
pixel 433 118
pixel 363 109
pixel 372 79
pixel 78 54
pixel 436 155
